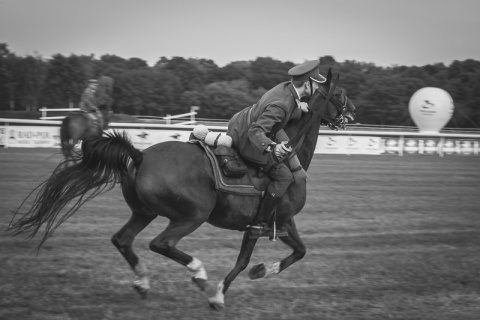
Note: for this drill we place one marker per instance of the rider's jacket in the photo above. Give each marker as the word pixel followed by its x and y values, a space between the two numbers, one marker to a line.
pixel 254 128
pixel 88 101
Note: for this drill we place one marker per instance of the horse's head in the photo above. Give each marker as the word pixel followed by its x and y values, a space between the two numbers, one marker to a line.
pixel 339 110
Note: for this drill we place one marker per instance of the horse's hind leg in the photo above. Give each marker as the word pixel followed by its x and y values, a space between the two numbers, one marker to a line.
pixel 293 241
pixel 165 245
pixel 217 301
pixel 123 240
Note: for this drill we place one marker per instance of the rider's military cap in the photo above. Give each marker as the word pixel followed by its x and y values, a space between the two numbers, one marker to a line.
pixel 307 70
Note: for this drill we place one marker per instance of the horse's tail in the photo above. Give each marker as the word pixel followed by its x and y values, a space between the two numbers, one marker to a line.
pixel 103 164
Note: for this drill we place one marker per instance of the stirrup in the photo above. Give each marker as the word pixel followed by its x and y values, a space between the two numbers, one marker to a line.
pixel 256 232
pixel 276 233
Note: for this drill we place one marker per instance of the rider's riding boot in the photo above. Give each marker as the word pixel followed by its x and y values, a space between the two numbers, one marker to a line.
pixel 261 223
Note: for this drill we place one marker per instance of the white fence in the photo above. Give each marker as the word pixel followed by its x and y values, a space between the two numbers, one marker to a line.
pixel 168 119
pixel 45 110
pixel 45 133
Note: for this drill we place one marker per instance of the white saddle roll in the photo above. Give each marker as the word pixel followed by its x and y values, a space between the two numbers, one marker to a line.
pixel 216 139
pixel 200 132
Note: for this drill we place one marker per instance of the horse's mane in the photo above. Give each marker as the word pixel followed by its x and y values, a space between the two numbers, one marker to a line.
pixel 306 148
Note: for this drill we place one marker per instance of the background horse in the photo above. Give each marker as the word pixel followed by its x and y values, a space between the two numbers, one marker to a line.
pixel 175 180
pixel 76 126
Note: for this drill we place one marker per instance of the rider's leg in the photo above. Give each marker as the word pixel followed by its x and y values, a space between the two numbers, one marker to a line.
pixel 281 179
pixel 265 211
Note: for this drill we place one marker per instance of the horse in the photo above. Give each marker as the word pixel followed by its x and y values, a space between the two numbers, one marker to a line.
pixel 76 126
pixel 175 180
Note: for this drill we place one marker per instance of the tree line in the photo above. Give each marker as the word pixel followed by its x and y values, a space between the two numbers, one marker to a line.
pixel 171 86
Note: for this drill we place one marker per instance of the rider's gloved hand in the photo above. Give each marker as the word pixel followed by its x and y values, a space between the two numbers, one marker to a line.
pixel 302 106
pixel 281 149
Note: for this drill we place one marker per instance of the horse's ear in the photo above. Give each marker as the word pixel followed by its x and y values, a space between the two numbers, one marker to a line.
pixel 329 78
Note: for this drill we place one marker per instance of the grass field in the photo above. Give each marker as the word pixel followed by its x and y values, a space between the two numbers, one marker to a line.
pixel 387 238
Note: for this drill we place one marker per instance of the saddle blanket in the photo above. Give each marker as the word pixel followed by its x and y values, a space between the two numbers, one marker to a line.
pixel 240 186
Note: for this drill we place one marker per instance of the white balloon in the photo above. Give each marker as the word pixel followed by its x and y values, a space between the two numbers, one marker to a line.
pixel 431 109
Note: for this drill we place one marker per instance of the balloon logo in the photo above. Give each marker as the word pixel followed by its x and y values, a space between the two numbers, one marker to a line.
pixel 431 109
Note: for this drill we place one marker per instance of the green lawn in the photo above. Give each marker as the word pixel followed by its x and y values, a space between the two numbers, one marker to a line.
pixel 387 237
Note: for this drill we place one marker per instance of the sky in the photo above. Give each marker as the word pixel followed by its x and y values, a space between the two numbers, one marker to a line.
pixel 382 32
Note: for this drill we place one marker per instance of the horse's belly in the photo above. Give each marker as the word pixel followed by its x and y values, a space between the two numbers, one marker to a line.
pixel 234 212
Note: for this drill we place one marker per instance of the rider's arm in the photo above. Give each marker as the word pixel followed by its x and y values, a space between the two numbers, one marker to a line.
pixel 259 130
pixel 92 103
pixel 281 136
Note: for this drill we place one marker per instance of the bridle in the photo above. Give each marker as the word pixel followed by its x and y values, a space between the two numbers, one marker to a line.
pixel 338 121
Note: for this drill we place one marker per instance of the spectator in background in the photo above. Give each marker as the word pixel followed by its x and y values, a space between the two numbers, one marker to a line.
pixel 88 103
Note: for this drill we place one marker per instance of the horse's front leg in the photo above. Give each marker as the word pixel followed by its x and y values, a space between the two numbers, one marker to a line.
pixel 217 301
pixel 293 240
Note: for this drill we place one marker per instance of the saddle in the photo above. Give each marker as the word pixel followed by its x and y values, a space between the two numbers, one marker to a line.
pixel 244 180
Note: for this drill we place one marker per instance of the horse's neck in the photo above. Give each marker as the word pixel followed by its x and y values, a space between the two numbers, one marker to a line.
pixel 306 150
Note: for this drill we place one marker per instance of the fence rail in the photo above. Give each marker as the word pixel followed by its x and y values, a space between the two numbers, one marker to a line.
pixel 222 127
pixel 45 133
pixel 45 110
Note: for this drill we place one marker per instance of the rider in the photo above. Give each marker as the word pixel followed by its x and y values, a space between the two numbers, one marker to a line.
pixel 88 103
pixel 258 135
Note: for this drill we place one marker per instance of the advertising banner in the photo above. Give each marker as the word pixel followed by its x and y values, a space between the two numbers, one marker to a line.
pixel 49 137
pixel 421 145
pixel 363 145
pixel 31 137
pixel 429 146
pixel 2 136
pixel 142 139
pixel 460 147
pixel 392 145
pixel 330 144
pixel 348 145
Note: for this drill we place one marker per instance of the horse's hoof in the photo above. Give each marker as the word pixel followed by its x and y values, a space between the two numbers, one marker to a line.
pixel 142 286
pixel 257 271
pixel 215 304
pixel 141 291
pixel 201 283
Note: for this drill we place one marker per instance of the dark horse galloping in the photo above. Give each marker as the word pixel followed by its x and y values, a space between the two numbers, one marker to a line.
pixel 77 126
pixel 175 180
